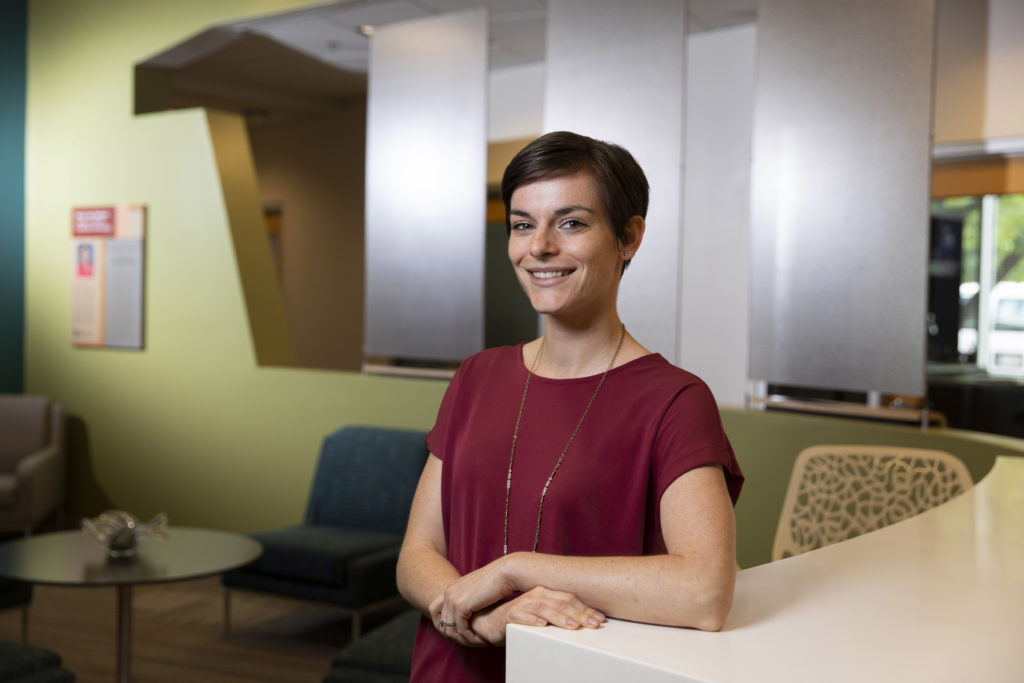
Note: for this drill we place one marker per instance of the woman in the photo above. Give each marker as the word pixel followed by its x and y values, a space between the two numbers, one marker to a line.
pixel 578 475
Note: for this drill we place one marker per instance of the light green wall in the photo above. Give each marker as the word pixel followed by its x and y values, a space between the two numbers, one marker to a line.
pixel 190 425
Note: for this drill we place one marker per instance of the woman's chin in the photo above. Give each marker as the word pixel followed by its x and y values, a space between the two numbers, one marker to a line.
pixel 544 306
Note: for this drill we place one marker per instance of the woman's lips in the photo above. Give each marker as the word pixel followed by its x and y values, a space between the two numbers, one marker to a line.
pixel 549 274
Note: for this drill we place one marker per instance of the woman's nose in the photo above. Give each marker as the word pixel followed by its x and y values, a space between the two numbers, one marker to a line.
pixel 543 242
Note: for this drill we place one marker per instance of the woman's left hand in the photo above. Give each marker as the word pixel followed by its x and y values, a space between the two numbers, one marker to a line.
pixel 447 628
pixel 467 595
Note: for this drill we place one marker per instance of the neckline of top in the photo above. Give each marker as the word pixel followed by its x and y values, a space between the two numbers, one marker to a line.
pixel 586 378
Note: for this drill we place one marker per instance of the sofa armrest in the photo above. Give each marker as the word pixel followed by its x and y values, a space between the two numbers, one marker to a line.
pixel 41 477
pixel 372 576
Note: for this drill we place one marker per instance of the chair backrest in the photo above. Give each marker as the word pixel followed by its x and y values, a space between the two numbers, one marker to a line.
pixel 366 478
pixel 838 492
pixel 24 427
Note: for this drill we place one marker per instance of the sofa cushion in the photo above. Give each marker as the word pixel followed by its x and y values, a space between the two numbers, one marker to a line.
pixel 344 674
pixel 319 554
pixel 19 661
pixel 371 578
pixel 52 674
pixel 387 649
pixel 22 427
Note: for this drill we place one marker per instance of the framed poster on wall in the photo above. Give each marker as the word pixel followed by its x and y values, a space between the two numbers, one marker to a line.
pixel 107 275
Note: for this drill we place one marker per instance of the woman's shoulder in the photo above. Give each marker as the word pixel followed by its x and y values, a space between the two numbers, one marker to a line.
pixel 652 378
pixel 501 359
pixel 495 355
pixel 655 368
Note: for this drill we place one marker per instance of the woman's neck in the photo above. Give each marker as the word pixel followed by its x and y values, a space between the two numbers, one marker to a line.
pixel 580 351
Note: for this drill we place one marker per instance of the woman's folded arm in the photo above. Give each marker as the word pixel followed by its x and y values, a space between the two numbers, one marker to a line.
pixel 690 586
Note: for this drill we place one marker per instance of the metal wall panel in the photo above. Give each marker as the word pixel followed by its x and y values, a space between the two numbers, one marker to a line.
pixel 840 193
pixel 715 332
pixel 615 71
pixel 426 152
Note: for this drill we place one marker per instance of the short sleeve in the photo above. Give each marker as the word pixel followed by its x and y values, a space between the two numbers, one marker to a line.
pixel 438 437
pixel 690 435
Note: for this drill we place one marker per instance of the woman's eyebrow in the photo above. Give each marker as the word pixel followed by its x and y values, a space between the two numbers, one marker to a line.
pixel 563 211
pixel 572 209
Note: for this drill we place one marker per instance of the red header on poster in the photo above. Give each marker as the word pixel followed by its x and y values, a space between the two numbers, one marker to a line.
pixel 92 221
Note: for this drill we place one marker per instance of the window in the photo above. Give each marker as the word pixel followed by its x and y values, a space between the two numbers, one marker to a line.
pixel 976 292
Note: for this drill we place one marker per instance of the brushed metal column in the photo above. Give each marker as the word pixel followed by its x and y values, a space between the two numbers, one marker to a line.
pixel 615 71
pixel 840 193
pixel 426 149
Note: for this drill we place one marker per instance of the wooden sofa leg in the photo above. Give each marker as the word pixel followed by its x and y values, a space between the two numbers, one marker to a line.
pixel 24 625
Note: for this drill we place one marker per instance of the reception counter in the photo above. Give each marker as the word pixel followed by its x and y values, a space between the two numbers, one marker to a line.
pixel 938 597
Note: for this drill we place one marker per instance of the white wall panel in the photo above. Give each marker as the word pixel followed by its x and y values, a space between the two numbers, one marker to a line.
pixel 615 71
pixel 840 193
pixel 516 102
pixel 714 339
pixel 960 70
pixel 426 187
pixel 1004 105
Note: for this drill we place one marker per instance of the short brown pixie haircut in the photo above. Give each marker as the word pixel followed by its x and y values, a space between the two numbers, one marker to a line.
pixel 621 182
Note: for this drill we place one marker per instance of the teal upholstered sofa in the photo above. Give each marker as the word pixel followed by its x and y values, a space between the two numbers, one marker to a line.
pixel 345 551
pixel 383 656
pixel 20 663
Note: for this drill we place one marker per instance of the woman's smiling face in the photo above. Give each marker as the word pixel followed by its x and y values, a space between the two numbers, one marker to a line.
pixel 563 248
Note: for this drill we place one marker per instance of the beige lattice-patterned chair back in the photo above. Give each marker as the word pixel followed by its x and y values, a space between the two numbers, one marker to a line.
pixel 838 492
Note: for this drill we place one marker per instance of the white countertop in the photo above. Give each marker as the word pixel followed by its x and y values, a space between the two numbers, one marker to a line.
pixel 938 597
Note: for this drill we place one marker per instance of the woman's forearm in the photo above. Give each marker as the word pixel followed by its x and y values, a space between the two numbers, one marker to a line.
pixel 423 566
pixel 692 585
pixel 657 589
pixel 423 574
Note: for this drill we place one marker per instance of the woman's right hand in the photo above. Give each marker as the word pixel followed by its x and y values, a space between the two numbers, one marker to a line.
pixel 537 607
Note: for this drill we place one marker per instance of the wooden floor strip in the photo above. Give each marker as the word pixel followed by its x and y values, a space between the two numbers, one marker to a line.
pixel 178 634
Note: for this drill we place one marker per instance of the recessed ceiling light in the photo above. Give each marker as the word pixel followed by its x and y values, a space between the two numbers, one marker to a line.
pixel 366 30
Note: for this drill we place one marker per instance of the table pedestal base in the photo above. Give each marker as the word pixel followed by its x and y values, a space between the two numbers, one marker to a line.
pixel 124 633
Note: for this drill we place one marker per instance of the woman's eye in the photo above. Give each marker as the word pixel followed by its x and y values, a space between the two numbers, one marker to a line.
pixel 572 224
pixel 519 227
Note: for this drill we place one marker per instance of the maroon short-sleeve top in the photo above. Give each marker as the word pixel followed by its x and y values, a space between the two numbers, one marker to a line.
pixel 650 423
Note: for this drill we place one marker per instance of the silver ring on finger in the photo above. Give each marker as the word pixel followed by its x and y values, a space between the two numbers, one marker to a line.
pixel 445 624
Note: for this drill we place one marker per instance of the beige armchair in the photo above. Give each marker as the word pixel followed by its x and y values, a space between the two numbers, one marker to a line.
pixel 32 461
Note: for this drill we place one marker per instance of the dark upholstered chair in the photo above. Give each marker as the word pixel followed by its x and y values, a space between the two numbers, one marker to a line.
pixel 345 551
pixel 20 663
pixel 32 480
pixel 383 656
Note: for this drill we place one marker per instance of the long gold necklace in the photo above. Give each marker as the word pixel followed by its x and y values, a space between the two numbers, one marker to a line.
pixel 515 437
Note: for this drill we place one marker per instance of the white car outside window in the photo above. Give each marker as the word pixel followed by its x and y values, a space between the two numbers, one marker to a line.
pixel 1006 339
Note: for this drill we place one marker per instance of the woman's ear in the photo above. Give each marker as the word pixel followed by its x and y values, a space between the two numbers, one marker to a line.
pixel 634 236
